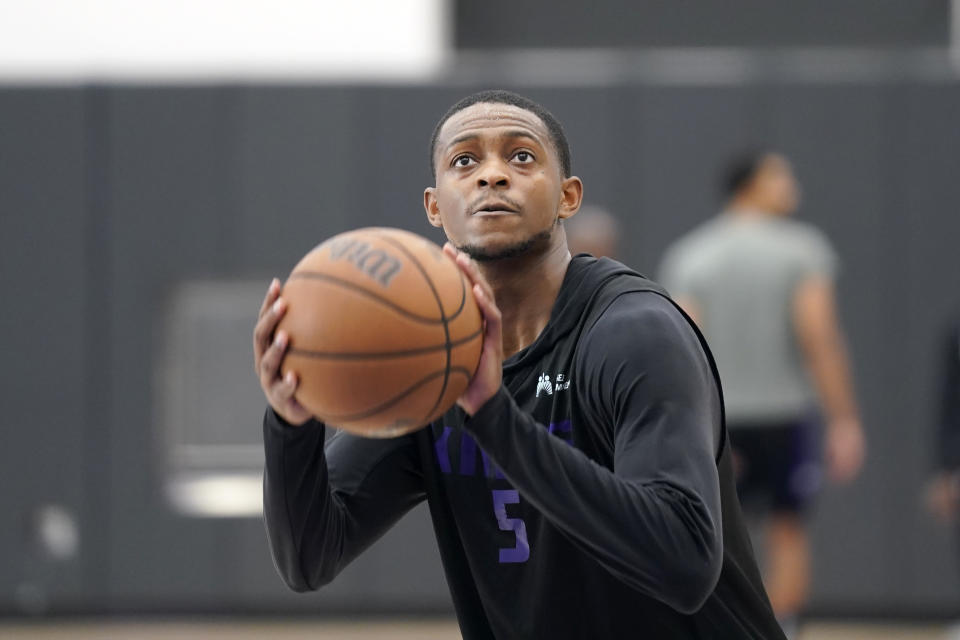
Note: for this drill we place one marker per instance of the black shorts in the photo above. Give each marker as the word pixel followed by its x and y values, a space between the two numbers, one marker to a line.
pixel 779 465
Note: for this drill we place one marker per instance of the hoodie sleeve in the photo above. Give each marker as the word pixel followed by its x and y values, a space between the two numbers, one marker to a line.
pixel 324 503
pixel 653 520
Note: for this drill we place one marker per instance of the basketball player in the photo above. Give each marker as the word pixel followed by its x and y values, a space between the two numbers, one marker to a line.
pixel 593 230
pixel 943 491
pixel 583 487
pixel 760 285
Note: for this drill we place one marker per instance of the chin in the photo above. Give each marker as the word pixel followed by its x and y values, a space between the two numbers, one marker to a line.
pixel 507 248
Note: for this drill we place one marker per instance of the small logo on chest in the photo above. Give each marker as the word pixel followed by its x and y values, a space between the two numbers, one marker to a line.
pixel 547 388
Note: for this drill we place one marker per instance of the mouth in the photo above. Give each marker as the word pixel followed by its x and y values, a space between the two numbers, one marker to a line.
pixel 495 208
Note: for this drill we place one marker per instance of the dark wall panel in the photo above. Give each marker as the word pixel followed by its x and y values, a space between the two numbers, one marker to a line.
pixel 836 137
pixel 503 24
pixel 234 182
pixel 927 193
pixel 43 281
pixel 683 135
pixel 174 194
pixel 298 160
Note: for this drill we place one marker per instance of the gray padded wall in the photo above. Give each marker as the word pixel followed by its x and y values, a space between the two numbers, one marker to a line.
pixel 44 281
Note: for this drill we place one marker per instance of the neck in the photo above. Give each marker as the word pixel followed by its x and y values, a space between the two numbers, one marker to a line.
pixel 747 209
pixel 525 289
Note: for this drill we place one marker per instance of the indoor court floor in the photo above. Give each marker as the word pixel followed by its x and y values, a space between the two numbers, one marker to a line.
pixel 372 630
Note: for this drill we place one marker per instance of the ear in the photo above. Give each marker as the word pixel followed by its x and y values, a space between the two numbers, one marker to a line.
pixel 571 195
pixel 431 206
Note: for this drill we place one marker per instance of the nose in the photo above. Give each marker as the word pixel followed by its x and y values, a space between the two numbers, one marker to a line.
pixel 493 174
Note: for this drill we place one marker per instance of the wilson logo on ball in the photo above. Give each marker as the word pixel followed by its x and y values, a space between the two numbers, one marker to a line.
pixel 385 333
pixel 376 263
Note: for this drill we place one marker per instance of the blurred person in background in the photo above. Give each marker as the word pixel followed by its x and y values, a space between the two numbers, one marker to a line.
pixel 593 230
pixel 761 287
pixel 943 492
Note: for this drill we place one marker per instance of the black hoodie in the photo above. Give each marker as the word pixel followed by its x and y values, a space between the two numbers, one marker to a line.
pixel 592 497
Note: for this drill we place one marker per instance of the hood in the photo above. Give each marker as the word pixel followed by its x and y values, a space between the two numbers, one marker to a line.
pixel 585 278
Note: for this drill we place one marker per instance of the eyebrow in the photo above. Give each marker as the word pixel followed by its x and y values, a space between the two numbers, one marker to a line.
pixel 513 133
pixel 464 138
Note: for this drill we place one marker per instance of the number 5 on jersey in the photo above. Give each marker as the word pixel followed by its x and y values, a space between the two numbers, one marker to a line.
pixel 521 551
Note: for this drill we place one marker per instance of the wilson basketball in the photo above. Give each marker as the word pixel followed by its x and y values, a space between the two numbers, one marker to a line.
pixel 384 330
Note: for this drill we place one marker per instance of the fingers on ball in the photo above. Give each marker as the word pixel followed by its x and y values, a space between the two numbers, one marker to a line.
pixel 283 388
pixel 268 322
pixel 270 364
pixel 272 292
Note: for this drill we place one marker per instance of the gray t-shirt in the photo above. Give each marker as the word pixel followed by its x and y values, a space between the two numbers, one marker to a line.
pixel 742 273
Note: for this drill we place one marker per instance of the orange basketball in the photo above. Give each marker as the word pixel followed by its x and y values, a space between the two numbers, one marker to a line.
pixel 384 331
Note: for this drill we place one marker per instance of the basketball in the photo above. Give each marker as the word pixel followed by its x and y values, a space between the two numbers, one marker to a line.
pixel 384 330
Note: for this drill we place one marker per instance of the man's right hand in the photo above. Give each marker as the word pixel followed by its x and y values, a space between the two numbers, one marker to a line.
pixel 269 347
pixel 846 449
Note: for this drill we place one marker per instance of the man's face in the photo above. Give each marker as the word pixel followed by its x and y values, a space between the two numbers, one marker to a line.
pixel 776 185
pixel 499 189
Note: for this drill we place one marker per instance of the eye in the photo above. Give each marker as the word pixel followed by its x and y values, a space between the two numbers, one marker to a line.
pixel 523 157
pixel 462 161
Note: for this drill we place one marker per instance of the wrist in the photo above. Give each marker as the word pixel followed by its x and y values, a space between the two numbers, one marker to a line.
pixel 844 423
pixel 490 409
pixel 283 422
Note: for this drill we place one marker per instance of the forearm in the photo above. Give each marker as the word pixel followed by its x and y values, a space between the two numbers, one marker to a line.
pixel 830 369
pixel 325 503
pixel 824 349
pixel 659 536
pixel 298 504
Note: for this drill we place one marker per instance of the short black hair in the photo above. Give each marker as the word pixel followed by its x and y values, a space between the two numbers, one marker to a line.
pixel 499 96
pixel 740 170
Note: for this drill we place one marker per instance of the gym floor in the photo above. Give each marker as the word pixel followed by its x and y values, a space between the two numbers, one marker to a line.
pixel 404 629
